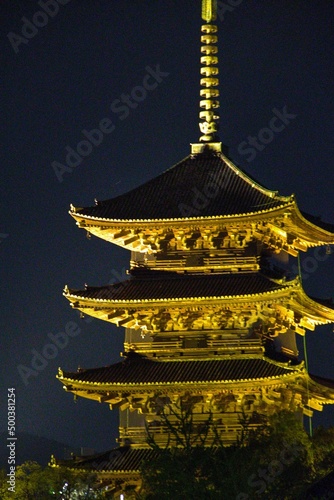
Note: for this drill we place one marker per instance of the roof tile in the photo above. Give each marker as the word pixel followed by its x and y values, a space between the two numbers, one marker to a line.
pixel 137 369
pixel 122 459
pixel 159 285
pixel 200 185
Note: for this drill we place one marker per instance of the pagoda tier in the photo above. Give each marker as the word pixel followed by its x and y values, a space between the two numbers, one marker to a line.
pixel 203 202
pixel 115 468
pixel 141 374
pixel 246 304
pixel 276 386
pixel 210 319
pixel 224 388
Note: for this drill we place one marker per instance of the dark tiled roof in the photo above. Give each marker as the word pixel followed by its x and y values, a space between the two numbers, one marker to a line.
pixel 137 369
pixel 123 459
pixel 203 185
pixel 168 285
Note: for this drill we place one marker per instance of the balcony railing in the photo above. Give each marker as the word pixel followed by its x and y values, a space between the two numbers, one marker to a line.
pixel 211 345
pixel 227 433
pixel 217 263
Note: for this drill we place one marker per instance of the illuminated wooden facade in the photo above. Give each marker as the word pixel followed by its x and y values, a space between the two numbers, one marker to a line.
pixel 209 322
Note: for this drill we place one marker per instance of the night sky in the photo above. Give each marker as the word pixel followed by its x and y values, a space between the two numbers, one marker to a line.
pixel 68 76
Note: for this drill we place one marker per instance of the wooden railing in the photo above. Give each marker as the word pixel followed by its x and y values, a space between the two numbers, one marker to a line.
pixel 226 432
pixel 177 346
pixel 161 264
pixel 222 263
pixel 153 346
pixel 229 261
pixel 234 344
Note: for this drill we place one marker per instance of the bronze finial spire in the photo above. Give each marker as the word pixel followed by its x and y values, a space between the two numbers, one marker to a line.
pixel 209 71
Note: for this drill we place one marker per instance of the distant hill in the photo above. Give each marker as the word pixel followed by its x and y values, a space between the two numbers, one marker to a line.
pixel 30 447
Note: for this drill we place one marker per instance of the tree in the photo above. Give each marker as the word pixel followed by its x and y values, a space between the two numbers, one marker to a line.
pixel 32 481
pixel 323 450
pixel 278 460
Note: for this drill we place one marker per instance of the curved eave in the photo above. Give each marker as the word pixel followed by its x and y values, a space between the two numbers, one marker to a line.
pixel 320 388
pixel 312 234
pixel 285 219
pixel 115 463
pixel 318 391
pixel 177 177
pixel 316 311
pixel 137 371
pixel 253 183
pixel 176 301
pixel 81 390
pixel 106 474
pixel 77 385
pixel 323 383
pixel 303 227
pixel 86 221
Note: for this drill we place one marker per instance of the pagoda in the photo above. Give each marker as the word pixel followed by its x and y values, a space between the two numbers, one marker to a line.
pixel 210 323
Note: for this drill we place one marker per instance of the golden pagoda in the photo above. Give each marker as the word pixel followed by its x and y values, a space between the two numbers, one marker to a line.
pixel 209 322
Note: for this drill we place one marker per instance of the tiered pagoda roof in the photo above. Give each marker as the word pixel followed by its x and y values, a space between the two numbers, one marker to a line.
pixel 144 290
pixel 201 291
pixel 204 188
pixel 124 459
pixel 162 286
pixel 137 371
pixel 167 195
pixel 113 467
pixel 138 375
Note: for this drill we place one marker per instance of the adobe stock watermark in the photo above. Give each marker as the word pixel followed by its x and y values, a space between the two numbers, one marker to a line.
pixel 201 199
pixel 58 341
pixel 118 277
pixel 228 6
pixel 267 475
pixel 265 136
pixel 3 236
pixel 121 107
pixel 40 19
pixel 113 455
pixel 40 358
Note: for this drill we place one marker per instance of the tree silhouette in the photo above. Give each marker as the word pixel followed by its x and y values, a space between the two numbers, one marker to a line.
pixel 277 460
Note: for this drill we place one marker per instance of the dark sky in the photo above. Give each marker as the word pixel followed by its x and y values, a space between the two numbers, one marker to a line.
pixel 64 79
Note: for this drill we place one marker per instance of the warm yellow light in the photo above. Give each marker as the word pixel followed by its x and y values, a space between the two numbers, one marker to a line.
pixel 209 10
